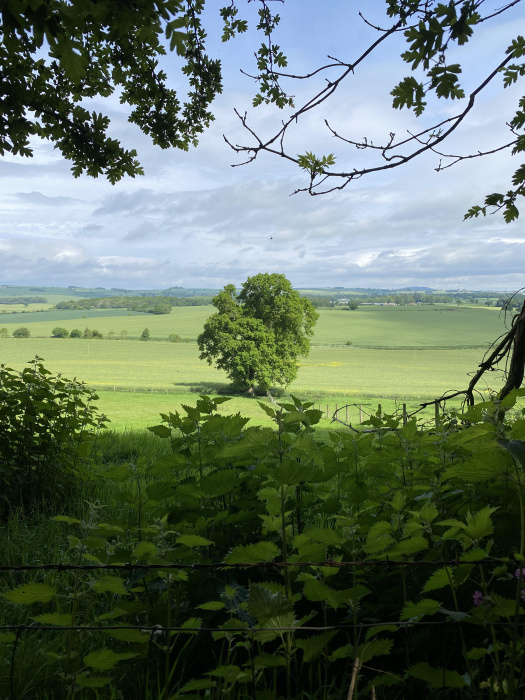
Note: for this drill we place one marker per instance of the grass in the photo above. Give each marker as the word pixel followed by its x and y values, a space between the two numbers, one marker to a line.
pixel 370 326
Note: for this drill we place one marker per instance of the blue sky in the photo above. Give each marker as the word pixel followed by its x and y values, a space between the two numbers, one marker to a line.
pixel 193 220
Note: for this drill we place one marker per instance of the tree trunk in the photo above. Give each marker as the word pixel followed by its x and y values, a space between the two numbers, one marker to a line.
pixel 517 361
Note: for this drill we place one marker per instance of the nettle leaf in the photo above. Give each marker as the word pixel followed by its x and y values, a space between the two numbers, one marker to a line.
pixel 65 519
pixel 160 430
pixel 7 637
pixel 110 584
pixel 379 537
pixel 317 591
pixel 314 646
pixel 516 448
pixel 193 541
pixel 263 603
pixel 324 535
pixel 427 606
pixel 199 684
pixel 29 593
pixel 410 546
pixel 377 647
pixel 105 659
pixel 253 553
pixel 293 473
pixel 212 605
pixel 439 579
pixel 132 636
pixel 220 482
pixel 436 677
pixel 160 490
pixel 144 550
pixel 58 619
pixel 373 631
pixel 479 524
pixel 269 661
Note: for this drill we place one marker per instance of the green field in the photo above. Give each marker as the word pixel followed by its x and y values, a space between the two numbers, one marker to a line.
pixel 406 353
pixel 427 326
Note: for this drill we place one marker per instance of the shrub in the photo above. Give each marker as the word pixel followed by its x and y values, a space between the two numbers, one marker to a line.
pixel 88 333
pixel 76 333
pixel 22 332
pixel 145 334
pixel 48 424
pixel 4 332
pixel 59 332
pixel 96 334
pixel 175 338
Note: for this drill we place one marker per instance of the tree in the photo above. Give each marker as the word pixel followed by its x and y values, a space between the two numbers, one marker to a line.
pixel 174 338
pixel 123 334
pixel 88 333
pixel 353 305
pixel 145 334
pixel 257 334
pixel 22 332
pixel 4 333
pixel 76 333
pixel 59 333
pixel 96 334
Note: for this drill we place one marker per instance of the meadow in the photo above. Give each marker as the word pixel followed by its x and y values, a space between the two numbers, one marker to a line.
pixel 407 353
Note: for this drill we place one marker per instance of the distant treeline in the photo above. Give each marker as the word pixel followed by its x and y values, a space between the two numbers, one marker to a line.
pixel 23 300
pixel 150 305
pixel 404 298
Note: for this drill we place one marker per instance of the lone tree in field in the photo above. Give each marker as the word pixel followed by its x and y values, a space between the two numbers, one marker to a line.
pixel 257 334
pixel 59 332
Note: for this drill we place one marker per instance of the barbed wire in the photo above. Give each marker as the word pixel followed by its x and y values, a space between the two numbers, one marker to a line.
pixel 246 565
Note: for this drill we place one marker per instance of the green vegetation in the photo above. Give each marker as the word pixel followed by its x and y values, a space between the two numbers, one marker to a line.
pixel 437 590
pixel 257 335
pixel 21 332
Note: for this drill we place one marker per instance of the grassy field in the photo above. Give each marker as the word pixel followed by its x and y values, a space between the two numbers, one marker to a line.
pixel 371 326
pixel 431 349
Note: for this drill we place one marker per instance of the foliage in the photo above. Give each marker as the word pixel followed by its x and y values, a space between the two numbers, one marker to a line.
pixel 4 333
pixel 47 425
pixel 76 333
pixel 23 300
pixel 145 334
pixel 174 338
pixel 150 304
pixel 257 335
pixel 433 607
pixel 59 332
pixel 437 35
pixel 22 332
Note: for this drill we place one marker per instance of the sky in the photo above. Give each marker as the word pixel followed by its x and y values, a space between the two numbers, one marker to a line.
pixel 194 220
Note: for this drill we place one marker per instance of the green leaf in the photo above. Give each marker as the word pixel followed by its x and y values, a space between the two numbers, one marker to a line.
pixel 160 430
pixel 439 579
pixel 263 603
pixel 58 619
pixel 253 553
pixel 293 473
pixel 106 659
pixel 317 591
pixel 65 519
pixel 313 646
pixel 269 661
pixel 377 647
pixel 193 541
pixel 412 611
pixel 29 593
pixel 479 524
pixel 414 544
pixel 212 605
pixel 436 677
pixel 110 584
pixel 144 550
pixel 324 535
pixel 199 684
pixel 7 637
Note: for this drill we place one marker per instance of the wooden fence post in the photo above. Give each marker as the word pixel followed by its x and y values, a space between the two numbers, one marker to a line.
pixel 404 414
pixel 436 412
pixel 379 410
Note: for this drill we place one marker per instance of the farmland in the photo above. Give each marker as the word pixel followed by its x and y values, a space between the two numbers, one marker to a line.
pixel 408 353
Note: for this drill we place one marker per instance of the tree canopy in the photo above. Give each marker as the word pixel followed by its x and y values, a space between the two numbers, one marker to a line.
pixel 54 55
pixel 257 334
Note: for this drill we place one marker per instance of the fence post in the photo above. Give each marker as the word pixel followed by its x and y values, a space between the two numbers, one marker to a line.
pixel 404 414
pixel 336 408
pixel 379 410
pixel 436 412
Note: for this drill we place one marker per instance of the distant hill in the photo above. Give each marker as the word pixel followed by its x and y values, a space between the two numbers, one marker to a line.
pixel 429 290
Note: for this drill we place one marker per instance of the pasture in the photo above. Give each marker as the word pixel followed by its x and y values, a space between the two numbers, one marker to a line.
pixel 425 326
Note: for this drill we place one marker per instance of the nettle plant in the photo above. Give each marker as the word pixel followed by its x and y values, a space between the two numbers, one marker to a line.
pixel 258 523
pixel 48 429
